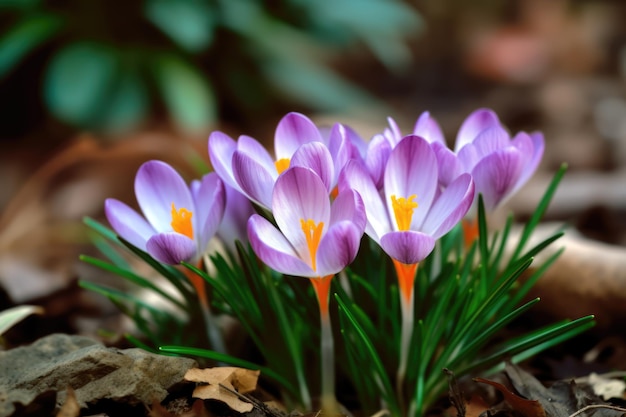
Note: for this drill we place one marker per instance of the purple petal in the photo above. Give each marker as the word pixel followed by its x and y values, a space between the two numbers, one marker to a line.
pixel 449 167
pixel 316 156
pixel 348 206
pixel 491 140
pixel 221 149
pixel 342 148
pixel 496 175
pixel 376 159
pixel 157 186
pixel 475 123
pixel 254 179
pixel 355 177
pixel 428 128
pixel 532 163
pixel 293 130
pixel 412 170
pixel 274 250
pixel 338 248
pixel 450 207
pixel 171 248
pixel 299 195
pixel 393 133
pixel 408 247
pixel 254 149
pixel 127 223
pixel 210 200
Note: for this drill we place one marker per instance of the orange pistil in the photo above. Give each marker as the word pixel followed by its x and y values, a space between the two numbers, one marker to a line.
pixel 322 288
pixel 282 164
pixel 313 235
pixel 470 231
pixel 181 221
pixel 198 283
pixel 403 210
pixel 406 278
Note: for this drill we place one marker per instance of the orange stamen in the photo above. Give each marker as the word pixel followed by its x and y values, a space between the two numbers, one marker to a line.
pixel 322 288
pixel 470 231
pixel 282 164
pixel 181 221
pixel 403 210
pixel 313 235
pixel 406 278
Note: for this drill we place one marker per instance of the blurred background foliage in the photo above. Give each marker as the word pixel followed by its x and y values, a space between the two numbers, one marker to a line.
pixel 111 66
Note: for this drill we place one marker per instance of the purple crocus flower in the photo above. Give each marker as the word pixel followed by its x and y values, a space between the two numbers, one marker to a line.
pixel 236 214
pixel 499 165
pixel 179 220
pixel 314 238
pixel 248 167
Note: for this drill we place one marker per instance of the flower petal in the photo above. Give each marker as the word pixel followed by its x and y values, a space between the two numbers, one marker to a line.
pixel 221 149
pixel 496 175
pixel 316 156
pixel 127 223
pixel 236 214
pixel 536 154
pixel 348 206
pixel 157 186
pixel 293 130
pixel 210 201
pixel 449 166
pixel 408 247
pixel 475 123
pixel 254 179
pixel 376 159
pixel 355 177
pixel 300 195
pixel 274 250
pixel 338 248
pixel 428 128
pixel 412 170
pixel 450 207
pixel 254 149
pixel 171 248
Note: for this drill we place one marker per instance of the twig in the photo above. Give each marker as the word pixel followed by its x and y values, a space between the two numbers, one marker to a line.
pixel 255 402
pixel 589 407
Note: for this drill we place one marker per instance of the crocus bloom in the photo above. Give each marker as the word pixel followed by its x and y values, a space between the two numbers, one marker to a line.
pixel 409 217
pixel 179 220
pixel 499 165
pixel 314 239
pixel 236 214
pixel 248 167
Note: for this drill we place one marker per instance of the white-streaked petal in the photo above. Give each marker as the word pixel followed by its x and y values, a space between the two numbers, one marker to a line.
pixel 338 248
pixel 428 128
pixel 530 165
pixel 449 166
pixel 316 156
pixel 274 250
pixel 172 248
pixel 157 186
pixel 221 149
pixel 348 206
pixel 355 177
pixel 127 223
pixel 254 149
pixel 236 214
pixel 210 201
pixel 300 195
pixel 475 123
pixel 412 170
pixel 409 247
pixel 450 207
pixel 491 140
pixel 254 179
pixel 294 130
pixel 496 175
pixel 376 159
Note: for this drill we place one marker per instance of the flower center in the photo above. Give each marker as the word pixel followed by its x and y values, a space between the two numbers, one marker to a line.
pixel 403 210
pixel 282 164
pixel 313 234
pixel 181 221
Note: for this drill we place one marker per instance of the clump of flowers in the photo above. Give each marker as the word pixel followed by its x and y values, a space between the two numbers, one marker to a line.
pixel 423 283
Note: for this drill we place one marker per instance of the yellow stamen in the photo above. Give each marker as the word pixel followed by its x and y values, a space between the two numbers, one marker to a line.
pixel 313 234
pixel 282 164
pixel 403 210
pixel 181 221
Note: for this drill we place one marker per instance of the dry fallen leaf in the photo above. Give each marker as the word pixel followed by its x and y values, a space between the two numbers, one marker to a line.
pixel 236 379
pixel 528 408
pixel 70 408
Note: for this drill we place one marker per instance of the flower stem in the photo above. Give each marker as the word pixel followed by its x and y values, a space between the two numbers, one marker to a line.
pixel 328 400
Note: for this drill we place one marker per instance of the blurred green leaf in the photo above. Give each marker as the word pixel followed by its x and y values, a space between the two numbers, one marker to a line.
pixel 78 81
pixel 127 102
pixel 191 23
pixel 19 4
pixel 24 37
pixel 187 93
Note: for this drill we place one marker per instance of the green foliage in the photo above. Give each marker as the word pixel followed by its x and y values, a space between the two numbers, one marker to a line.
pixel 464 299
pixel 110 65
